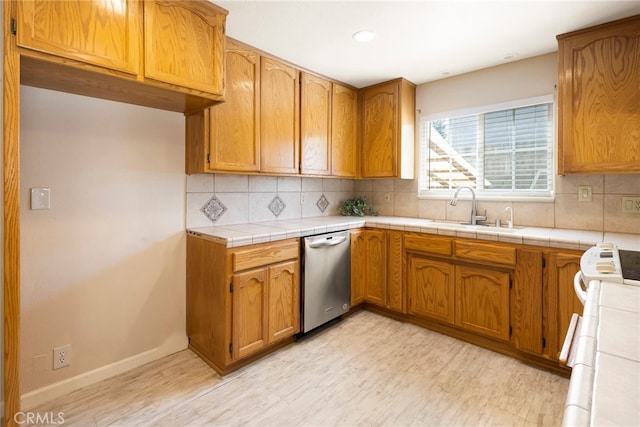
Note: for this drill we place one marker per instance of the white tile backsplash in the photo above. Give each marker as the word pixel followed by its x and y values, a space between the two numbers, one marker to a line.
pixel 231 183
pixel 311 184
pixel 293 209
pixel 331 184
pixel 237 208
pixel 289 183
pixel 195 217
pixel 200 183
pixel 259 207
pixel 263 184
pixel 565 212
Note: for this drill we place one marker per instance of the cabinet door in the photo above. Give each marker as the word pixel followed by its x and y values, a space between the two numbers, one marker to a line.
pixel 560 297
pixel 184 44
pixel 279 118
pixel 100 33
pixel 284 300
pixel 526 302
pixel 234 134
pixel 358 266
pixel 482 301
pixel 315 125
pixel 376 271
pixel 380 131
pixel 431 289
pixel 599 112
pixel 395 256
pixel 344 131
pixel 249 323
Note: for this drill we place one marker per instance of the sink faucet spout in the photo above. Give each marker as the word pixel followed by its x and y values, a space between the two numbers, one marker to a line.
pixel 474 216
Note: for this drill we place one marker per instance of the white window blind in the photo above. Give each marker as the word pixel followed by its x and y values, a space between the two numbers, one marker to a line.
pixel 503 153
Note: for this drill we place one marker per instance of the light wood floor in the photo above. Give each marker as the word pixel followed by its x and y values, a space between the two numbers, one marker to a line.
pixel 365 370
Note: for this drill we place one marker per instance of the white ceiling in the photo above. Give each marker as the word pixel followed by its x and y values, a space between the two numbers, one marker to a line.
pixel 418 40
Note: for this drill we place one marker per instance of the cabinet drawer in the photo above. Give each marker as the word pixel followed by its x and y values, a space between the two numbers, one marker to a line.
pixel 259 256
pixel 428 244
pixel 485 252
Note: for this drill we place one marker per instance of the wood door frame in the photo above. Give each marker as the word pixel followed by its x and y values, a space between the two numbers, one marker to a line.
pixel 11 237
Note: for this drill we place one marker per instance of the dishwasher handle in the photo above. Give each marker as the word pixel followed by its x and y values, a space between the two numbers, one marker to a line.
pixel 328 242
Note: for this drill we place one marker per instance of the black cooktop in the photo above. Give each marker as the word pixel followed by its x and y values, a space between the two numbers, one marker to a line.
pixel 630 263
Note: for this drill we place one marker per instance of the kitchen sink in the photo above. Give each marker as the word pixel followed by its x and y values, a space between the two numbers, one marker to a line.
pixel 477 227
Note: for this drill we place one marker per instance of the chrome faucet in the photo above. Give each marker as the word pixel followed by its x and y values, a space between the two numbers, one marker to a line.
pixel 474 217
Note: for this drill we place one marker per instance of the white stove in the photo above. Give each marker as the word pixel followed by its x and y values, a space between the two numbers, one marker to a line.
pixel 608 263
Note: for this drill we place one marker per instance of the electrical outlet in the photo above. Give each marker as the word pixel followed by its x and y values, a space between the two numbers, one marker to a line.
pixel 61 356
pixel 585 193
pixel 387 197
pixel 302 198
pixel 631 205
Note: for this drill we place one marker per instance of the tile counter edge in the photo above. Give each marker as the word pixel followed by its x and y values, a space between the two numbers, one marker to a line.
pixel 260 232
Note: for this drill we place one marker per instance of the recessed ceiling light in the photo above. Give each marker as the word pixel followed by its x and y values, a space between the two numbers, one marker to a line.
pixel 445 73
pixel 510 56
pixel 364 36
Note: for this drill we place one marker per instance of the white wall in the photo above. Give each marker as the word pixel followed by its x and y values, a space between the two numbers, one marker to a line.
pixel 104 268
pixel 512 81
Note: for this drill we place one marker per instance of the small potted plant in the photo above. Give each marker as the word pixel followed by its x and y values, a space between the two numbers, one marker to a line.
pixel 357 206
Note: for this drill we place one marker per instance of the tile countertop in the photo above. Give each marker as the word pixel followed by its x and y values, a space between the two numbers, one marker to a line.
pixel 605 381
pixel 260 232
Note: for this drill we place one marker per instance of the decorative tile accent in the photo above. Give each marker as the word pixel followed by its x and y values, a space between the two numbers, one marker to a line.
pixel 322 203
pixel 214 209
pixel 277 205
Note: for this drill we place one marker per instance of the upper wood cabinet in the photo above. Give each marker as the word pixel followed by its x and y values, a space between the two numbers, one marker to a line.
pixel 226 137
pixel 279 118
pixel 315 125
pixel 344 131
pixel 158 53
pixel 183 44
pixel 275 120
pixel 388 130
pixel 107 34
pixel 598 93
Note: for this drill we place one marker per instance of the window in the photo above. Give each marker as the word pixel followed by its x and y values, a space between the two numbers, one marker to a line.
pixel 501 153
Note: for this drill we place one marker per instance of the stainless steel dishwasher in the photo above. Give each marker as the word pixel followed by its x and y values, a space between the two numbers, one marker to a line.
pixel 326 280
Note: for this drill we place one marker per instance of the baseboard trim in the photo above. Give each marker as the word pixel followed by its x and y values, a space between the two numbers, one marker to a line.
pixel 36 397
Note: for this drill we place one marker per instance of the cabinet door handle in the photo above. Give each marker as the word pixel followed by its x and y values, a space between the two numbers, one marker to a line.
pixel 580 290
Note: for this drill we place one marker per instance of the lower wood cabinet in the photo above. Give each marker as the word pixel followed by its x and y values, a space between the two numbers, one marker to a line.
pixel 560 299
pixel 482 301
pixel 241 301
pixel 431 289
pixel 377 269
pixel 396 294
pixel 265 308
pixel 368 267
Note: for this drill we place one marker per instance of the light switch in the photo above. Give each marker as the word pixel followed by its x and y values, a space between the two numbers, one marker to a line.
pixel 40 198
